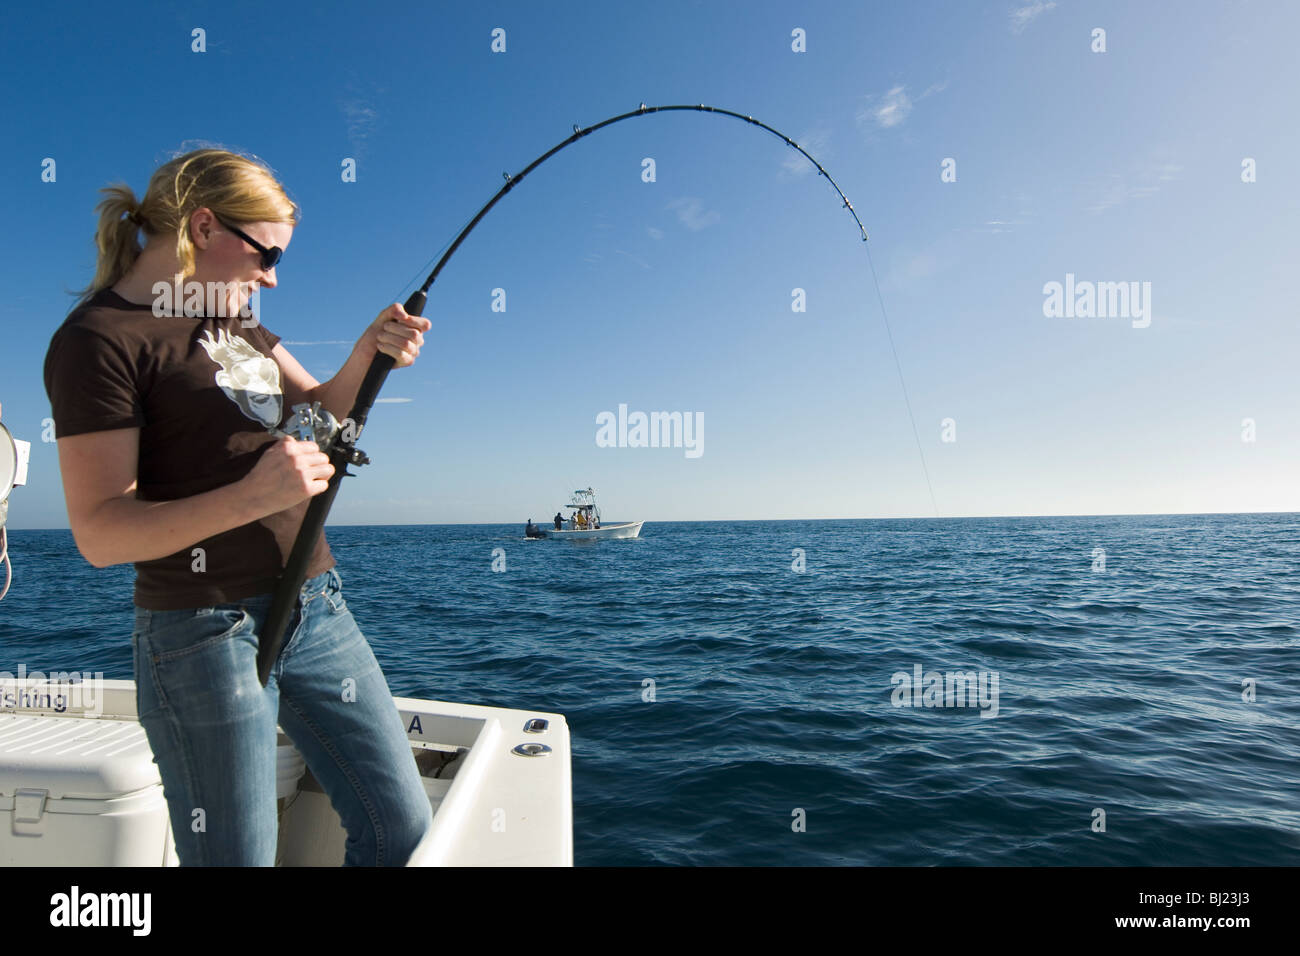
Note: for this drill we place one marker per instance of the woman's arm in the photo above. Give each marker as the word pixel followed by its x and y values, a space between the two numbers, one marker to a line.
pixel 393 332
pixel 112 526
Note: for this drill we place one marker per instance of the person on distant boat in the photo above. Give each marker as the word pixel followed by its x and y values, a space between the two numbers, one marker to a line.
pixel 172 460
pixel 559 520
pixel 530 529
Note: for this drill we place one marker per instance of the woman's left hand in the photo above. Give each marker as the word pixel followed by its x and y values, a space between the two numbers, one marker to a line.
pixel 397 334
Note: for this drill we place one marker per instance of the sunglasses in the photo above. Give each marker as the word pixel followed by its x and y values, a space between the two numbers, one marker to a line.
pixel 269 256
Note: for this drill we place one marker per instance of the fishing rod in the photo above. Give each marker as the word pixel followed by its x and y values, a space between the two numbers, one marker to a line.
pixel 338 440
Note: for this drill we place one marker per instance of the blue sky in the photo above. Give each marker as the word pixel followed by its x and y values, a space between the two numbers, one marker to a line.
pixel 675 295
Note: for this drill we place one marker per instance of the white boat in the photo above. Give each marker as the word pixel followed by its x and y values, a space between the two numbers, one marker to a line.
pixel 78 785
pixel 584 522
pixel 13 471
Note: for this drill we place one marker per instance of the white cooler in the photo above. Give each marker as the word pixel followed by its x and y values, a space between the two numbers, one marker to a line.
pixel 80 791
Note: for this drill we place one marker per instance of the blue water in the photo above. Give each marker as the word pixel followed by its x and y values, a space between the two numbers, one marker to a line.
pixel 773 736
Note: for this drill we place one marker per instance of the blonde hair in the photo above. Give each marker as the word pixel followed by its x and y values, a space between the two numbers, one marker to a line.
pixel 238 188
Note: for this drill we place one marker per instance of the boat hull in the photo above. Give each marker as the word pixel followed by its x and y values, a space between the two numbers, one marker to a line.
pixel 626 529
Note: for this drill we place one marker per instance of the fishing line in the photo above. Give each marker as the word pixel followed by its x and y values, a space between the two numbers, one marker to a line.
pixel 420 271
pixel 899 365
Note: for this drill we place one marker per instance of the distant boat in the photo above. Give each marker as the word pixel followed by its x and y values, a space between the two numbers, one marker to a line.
pixel 584 522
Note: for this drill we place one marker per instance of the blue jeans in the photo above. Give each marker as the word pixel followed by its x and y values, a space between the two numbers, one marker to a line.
pixel 212 727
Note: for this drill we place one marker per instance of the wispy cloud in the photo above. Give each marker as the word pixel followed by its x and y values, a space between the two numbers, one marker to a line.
pixel 637 259
pixel 1010 211
pixel 1120 189
pixel 1021 17
pixel 392 401
pixel 891 108
pixel 655 233
pixel 887 110
pixel 361 117
pixel 817 143
pixel 1000 225
pixel 691 214
pixel 1118 192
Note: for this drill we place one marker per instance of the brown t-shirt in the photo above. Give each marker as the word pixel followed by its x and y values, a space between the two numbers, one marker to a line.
pixel 204 393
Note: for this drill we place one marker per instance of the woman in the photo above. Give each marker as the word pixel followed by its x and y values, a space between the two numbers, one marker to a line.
pixel 167 422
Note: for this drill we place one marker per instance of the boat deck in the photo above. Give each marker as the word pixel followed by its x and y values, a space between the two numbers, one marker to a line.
pixel 498 780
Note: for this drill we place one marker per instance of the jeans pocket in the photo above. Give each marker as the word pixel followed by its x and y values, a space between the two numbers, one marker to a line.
pixel 177 634
pixel 200 664
pixel 334 593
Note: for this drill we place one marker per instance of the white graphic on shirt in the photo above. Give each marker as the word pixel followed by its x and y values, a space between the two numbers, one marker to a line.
pixel 250 379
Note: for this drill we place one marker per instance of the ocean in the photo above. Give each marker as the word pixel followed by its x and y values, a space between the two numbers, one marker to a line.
pixel 1086 691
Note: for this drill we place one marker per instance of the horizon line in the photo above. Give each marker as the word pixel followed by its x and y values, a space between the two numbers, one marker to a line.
pixel 1126 514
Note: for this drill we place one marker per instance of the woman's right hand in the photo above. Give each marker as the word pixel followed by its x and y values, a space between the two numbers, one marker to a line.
pixel 288 472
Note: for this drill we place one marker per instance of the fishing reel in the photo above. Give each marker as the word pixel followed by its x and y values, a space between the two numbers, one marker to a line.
pixel 310 422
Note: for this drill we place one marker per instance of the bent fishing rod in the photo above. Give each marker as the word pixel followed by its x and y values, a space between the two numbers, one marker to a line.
pixel 311 423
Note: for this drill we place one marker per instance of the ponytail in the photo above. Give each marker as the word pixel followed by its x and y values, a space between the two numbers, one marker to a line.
pixel 240 188
pixel 116 240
